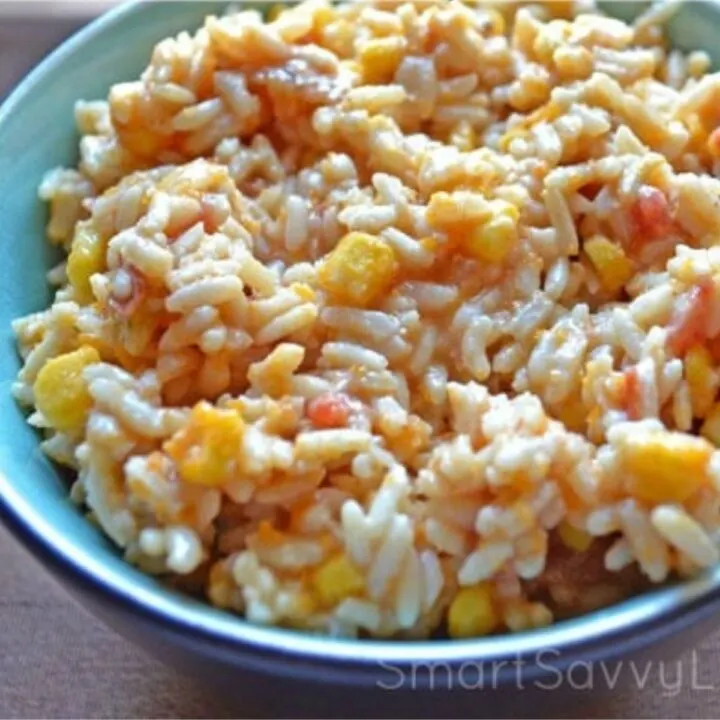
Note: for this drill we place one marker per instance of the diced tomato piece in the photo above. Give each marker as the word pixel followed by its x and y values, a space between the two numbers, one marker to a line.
pixel 650 217
pixel 632 394
pixel 330 410
pixel 689 325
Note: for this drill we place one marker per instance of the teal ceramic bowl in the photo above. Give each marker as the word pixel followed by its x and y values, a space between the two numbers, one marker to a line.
pixel 37 133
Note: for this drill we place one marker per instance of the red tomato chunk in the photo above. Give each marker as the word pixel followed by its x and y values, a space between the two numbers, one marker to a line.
pixel 649 217
pixel 632 393
pixel 330 410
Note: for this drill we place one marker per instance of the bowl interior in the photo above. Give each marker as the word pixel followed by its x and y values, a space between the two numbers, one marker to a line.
pixel 37 133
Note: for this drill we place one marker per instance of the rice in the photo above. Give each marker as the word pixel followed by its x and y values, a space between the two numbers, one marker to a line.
pixel 383 323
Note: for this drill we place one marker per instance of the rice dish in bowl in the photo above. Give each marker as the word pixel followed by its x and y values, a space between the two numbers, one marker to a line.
pixel 389 320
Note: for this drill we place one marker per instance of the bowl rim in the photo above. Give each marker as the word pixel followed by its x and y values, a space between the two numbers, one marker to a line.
pixel 624 627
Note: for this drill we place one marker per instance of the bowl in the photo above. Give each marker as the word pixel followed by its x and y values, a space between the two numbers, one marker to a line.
pixel 37 133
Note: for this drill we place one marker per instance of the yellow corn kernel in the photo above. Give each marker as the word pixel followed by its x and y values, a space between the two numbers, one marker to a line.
pixel 143 142
pixel 323 16
pixel 665 466
pixel 336 580
pixel 379 59
pixel 206 450
pixel 497 22
pixel 360 269
pixel 701 379
pixel 458 210
pixel 472 612
pixel 304 291
pixel 496 237
pixel 612 266
pixel 573 537
pixel 572 414
pixel 87 257
pixel 61 393
pixel 463 137
pixel 710 429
